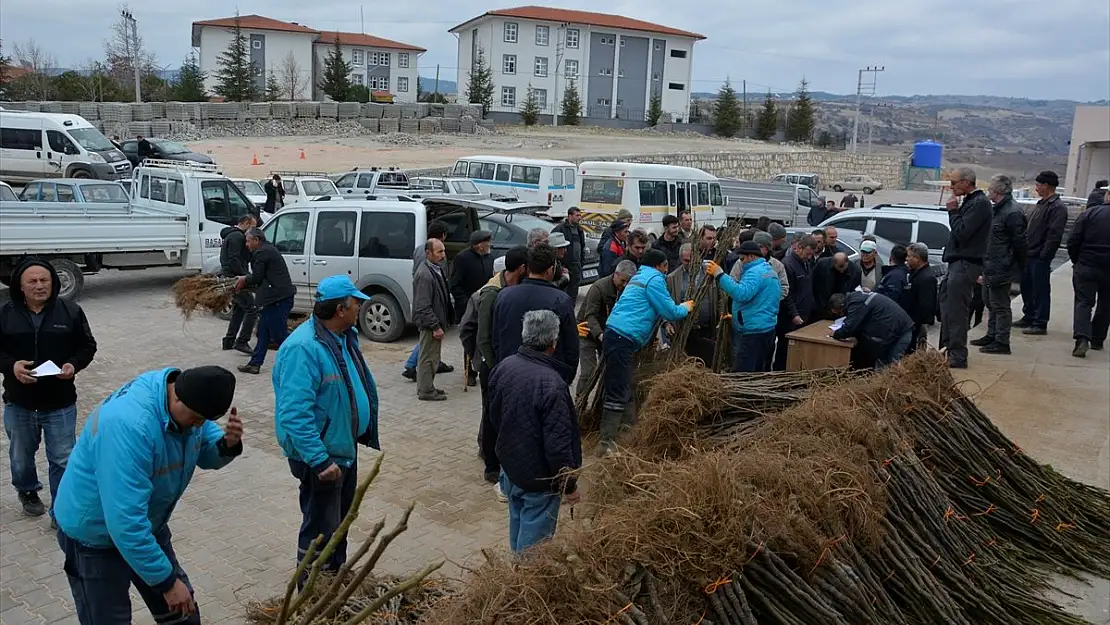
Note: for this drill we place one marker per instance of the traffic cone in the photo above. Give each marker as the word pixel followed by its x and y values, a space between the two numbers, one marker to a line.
pixel 302 154
pixel 254 161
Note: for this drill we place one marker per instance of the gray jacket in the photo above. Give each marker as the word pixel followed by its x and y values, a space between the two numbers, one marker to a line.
pixel 431 303
pixel 1006 246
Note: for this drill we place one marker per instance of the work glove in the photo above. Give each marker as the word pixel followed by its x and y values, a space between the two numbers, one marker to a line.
pixel 688 305
pixel 583 330
pixel 713 268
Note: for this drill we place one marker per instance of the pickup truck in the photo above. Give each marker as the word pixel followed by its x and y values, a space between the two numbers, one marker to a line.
pixel 173 219
pixel 371 181
pixel 303 186
pixel 787 204
pixel 435 186
pixel 74 190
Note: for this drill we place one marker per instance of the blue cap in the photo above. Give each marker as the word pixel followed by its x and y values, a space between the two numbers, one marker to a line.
pixel 337 287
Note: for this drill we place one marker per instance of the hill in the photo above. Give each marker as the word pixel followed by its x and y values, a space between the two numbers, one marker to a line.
pixel 446 87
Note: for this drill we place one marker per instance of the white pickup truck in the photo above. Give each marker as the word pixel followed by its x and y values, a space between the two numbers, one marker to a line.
pixel 174 218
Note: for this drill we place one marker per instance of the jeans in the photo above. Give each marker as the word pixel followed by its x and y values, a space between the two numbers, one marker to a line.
pixel 26 429
pixel 243 317
pixel 1092 291
pixel 1036 292
pixel 100 580
pixel 892 353
pixel 273 325
pixel 589 352
pixel 956 307
pixel 414 357
pixel 323 507
pixel 1001 313
pixel 752 351
pixel 533 517
pixel 427 363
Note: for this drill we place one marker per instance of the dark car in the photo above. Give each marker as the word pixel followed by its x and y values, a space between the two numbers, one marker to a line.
pixel 164 149
pixel 511 229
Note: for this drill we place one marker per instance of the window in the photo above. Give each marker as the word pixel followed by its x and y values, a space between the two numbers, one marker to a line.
pixel 899 231
pixel 510 32
pixel 380 83
pixel 715 197
pixel 318 188
pixel 605 71
pixel 655 76
pixel 568 177
pixel 508 97
pixel 622 42
pixel 526 174
pixel 503 173
pixel 47 193
pixel 671 195
pixel 402 84
pixel 603 102
pixel 460 169
pixel 620 72
pixel 678 54
pixel 474 171
pixel 570 68
pixel 403 60
pixel 556 177
pixel 356 57
pixel 65 193
pixel 658 45
pixel 500 233
pixel 102 193
pixel 653 193
pixel 223 202
pixel 387 235
pixel 359 79
pixel 620 102
pixel 288 232
pixel 30 192
pixel 572 38
pixel 541 98
pixel 487 171
pixel 346 181
pixel 378 58
pixel 257 71
pixel 60 143
pixel 703 194
pixel 543 34
pixel 458 226
pixel 508 63
pixel 20 139
pixel 256 44
pixel 464 187
pixel 933 235
pixel 857 224
pixel 540 66
pixel 335 234
pixel 601 191
pixel 677 86
pixel 365 181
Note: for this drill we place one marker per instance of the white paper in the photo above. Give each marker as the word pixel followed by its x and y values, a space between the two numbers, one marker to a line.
pixel 837 324
pixel 47 368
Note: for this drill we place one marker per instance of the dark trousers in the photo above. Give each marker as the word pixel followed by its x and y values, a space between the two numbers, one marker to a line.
pixel 100 580
pixel 919 339
pixel 272 326
pixel 752 351
pixel 243 317
pixel 700 344
pixel 778 363
pixel 1092 291
pixel 956 308
pixel 1036 292
pixel 617 353
pixel 575 279
pixel 323 507
pixel 487 434
pixel 997 297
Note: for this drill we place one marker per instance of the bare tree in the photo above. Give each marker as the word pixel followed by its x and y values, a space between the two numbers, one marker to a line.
pixel 30 56
pixel 292 77
pixel 124 48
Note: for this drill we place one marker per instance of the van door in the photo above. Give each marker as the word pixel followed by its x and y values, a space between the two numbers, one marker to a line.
pixel 288 231
pixel 333 246
pixel 223 205
pixel 22 156
pixel 59 153
pixel 683 201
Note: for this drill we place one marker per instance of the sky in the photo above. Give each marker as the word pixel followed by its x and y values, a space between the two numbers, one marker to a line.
pixel 1014 48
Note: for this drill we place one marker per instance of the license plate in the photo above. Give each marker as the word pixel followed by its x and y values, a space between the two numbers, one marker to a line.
pixel 589 273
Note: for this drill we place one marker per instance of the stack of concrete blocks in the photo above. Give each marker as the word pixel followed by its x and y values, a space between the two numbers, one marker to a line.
pixel 452 111
pixel 142 112
pixel 160 128
pixel 308 110
pixel 372 124
pixel 349 110
pixel 135 129
pixel 472 110
pixel 487 124
pixel 329 110
pixel 89 110
pixel 259 110
pixel 157 110
pixel 71 108
pixel 409 111
pixel 373 110
pixel 115 113
pixel 182 111
pixel 52 107
pixel 435 109
pixel 430 125
pixel 468 125
pixel 282 110
pixel 409 125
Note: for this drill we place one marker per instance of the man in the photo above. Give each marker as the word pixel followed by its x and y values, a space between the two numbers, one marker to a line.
pixel 1002 265
pixel 473 267
pixel 36 326
pixel 849 200
pixel 143 148
pixel 819 238
pixel 275 195
pixel 788 313
pixel 536 292
pixel 325 401
pixel 896 276
pixel 133 461
pixel 707 242
pixel 685 225
pixel 235 261
pixel 755 308
pixel 274 291
pixel 779 247
pixel 829 242
pixel 832 275
pixel 1098 194
pixel 763 223
pixel 799 276
pixel 614 248
pixel 432 313
pixel 832 209
pixel 606 234
pixel 682 283
pixel 630 328
pixel 920 302
pixel 1044 234
pixel 592 316
pixel 637 245
pixel 562 274
pixel 881 326
pixel 437 229
pixel 575 256
pixel 670 241
pixel 818 212
pixel 871 274
pixel 970 222
pixel 533 414
pixel 1089 251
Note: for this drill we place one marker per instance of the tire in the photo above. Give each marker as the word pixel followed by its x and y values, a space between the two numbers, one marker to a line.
pixel 69 274
pixel 868 191
pixel 83 174
pixel 838 188
pixel 381 319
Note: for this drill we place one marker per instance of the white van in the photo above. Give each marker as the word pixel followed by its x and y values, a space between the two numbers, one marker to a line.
pixel 649 192
pixel 55 145
pixel 527 179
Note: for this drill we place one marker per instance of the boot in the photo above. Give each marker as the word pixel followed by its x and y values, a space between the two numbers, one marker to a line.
pixel 1081 346
pixel 982 341
pixel 610 429
pixel 229 342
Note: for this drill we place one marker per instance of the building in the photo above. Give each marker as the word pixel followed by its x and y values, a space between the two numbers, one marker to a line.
pixel 617 63
pixel 1089 154
pixel 295 54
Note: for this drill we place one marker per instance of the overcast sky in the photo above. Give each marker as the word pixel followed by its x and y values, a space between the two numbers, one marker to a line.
pixel 1017 48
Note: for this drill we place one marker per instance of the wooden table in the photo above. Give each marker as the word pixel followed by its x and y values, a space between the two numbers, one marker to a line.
pixel 811 347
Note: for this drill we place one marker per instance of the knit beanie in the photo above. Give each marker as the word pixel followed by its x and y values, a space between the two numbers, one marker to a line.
pixel 207 390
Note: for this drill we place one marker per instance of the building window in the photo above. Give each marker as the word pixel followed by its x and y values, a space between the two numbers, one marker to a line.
pixel 541 66
pixel 620 102
pixel 358 79
pixel 572 38
pixel 658 45
pixel 402 84
pixel 356 57
pixel 605 71
pixel 379 83
pixel 257 44
pixel 257 71
pixel 378 58
pixel 623 42
pixel 543 35
pixel 570 68
pixel 620 73
pixel 508 97
pixel 402 59
pixel 677 86
pixel 508 64
pixel 603 101
pixel 510 32
pixel 655 76
pixel 541 98
pixel 678 54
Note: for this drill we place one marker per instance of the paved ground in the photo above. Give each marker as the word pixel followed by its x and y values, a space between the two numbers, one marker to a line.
pixel 235 530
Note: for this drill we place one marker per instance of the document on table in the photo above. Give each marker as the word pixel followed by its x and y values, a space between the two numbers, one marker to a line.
pixel 837 324
pixel 47 368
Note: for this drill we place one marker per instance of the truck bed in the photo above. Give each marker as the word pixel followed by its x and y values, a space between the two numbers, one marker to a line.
pixel 752 200
pixel 59 228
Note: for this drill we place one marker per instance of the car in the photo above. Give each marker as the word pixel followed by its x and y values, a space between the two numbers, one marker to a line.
pixel 163 149
pixel 510 230
pixel 252 189
pixel 303 187
pixel 813 181
pixel 74 190
pixel 445 186
pixel 901 223
pixel 866 184
pixel 848 241
pixel 6 193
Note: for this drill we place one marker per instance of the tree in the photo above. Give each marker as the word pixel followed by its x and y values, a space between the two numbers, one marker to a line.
pixel 190 82
pixel 70 86
pixel 273 88
pixel 727 116
pixel 479 85
pixel 825 139
pixel 292 77
pixel 125 51
pixel 530 109
pixel 655 109
pixel 767 122
pixel 36 83
pixel 800 124
pixel 335 81
pixel 358 93
pixel 5 69
pixel 235 70
pixel 572 105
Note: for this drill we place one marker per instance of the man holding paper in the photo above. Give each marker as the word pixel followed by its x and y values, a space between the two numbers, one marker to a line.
pixel 44 342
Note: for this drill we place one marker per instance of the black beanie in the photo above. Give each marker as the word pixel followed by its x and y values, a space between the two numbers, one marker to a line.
pixel 206 390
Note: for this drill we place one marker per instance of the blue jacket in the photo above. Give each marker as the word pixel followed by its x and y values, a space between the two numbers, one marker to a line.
pixel 315 419
pixel 130 466
pixel 895 283
pixel 644 300
pixel 534 294
pixel 755 299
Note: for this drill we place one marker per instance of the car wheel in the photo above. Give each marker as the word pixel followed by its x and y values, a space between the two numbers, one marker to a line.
pixel 81 173
pixel 71 278
pixel 381 319
pixel 868 191
pixel 838 188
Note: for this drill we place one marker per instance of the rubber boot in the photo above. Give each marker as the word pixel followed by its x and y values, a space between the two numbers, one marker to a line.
pixel 610 430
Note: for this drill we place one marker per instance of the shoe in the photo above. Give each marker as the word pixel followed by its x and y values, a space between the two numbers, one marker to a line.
pixel 228 343
pixel 444 368
pixel 491 476
pixel 53 524
pixel 1096 346
pixel 251 369
pixel 432 397
pixel 982 342
pixel 32 505
pixel 273 347
pixel 957 365
pixel 409 374
pixel 472 379
pixel 440 391
pixel 1022 323
pixel 1035 331
pixel 1081 347
pixel 243 348
pixel 995 348
pixel 500 495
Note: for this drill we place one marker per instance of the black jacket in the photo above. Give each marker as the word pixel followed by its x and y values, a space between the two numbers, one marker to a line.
pixel 269 276
pixel 576 255
pixel 275 196
pixel 817 214
pixel 1045 232
pixel 671 249
pixel 470 271
pixel 1089 242
pixel 1006 246
pixel 235 258
pixel 800 277
pixel 873 317
pixel 63 336
pixel 532 294
pixel 534 422
pixel 970 225
pixel 827 281
pixel 921 300
pixel 1097 197
pixel 895 283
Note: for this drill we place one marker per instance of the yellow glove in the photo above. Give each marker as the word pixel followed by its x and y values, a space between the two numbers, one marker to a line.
pixel 713 268
pixel 689 305
pixel 583 330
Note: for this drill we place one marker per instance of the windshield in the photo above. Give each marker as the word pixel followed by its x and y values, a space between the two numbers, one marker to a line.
pixel 465 186
pixel 91 139
pixel 172 147
pixel 100 193
pixel 316 188
pixel 528 222
pixel 249 187
pixel 7 194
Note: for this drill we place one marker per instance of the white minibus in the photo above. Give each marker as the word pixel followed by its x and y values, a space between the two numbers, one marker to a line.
pixel 530 180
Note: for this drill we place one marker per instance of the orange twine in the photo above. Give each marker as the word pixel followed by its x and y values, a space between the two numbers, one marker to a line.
pixel 1040 499
pixel 977 482
pixel 712 588
pixel 989 510
pixel 1036 515
pixel 1065 526
pixel 969 559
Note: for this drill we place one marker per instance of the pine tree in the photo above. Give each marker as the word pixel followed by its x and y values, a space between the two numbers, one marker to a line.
pixel 572 105
pixel 190 82
pixel 727 116
pixel 336 79
pixel 235 70
pixel 5 67
pixel 274 92
pixel 800 125
pixel 767 122
pixel 655 109
pixel 530 110
pixel 479 85
pixel 825 139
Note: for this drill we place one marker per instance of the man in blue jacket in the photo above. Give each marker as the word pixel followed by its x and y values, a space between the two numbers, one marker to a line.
pixel 755 308
pixel 132 462
pixel 629 329
pixel 325 401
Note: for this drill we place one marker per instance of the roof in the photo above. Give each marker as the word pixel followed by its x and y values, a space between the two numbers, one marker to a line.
pixel 257 22
pixel 547 14
pixel 641 170
pixel 369 41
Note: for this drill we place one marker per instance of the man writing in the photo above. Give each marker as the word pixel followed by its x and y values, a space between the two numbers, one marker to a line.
pixel 274 291
pixel 882 327
pixel 235 260
pixel 432 313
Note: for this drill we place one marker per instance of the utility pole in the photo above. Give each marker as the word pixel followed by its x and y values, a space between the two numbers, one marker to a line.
pixel 435 90
pixel 870 127
pixel 133 49
pixel 861 89
pixel 745 83
pixel 560 35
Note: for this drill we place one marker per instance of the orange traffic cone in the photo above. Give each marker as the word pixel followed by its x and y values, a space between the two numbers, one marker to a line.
pixel 302 154
pixel 254 161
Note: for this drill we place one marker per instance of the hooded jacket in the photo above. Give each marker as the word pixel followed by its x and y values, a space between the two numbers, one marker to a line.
pixel 235 258
pixel 62 335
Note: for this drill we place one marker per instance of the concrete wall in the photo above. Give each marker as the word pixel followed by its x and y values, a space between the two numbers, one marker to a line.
pixel 1089 150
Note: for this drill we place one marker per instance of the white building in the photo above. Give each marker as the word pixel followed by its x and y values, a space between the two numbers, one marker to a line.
pixel 1089 152
pixel 616 62
pixel 295 54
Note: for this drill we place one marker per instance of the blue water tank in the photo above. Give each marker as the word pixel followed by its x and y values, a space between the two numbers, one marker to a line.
pixel 927 154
